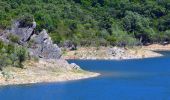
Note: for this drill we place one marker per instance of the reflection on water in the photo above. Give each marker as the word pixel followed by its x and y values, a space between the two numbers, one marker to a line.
pixel 165 53
pixel 142 79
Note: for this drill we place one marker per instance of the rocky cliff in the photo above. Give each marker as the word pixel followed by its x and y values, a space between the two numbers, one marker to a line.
pixel 50 68
pixel 38 44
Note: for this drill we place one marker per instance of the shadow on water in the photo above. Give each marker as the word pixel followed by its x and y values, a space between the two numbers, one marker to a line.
pixel 165 53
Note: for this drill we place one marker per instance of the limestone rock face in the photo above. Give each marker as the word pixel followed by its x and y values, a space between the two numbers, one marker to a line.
pixel 44 47
pixel 23 32
pixel 39 45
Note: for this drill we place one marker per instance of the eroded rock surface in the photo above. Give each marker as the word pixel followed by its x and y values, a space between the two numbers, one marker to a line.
pixel 69 45
pixel 24 33
pixel 43 46
pixel 39 44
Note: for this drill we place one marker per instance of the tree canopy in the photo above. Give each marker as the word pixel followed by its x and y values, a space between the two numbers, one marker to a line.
pixel 112 22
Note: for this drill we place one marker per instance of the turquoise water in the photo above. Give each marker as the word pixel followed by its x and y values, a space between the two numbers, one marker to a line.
pixel 142 79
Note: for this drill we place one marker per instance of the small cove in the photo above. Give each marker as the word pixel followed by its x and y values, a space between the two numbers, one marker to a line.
pixel 139 79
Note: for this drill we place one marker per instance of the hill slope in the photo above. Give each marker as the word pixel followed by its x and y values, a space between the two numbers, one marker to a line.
pixel 99 22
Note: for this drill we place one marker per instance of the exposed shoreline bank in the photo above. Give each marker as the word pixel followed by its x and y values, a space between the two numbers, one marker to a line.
pixel 157 47
pixel 43 72
pixel 116 53
pixel 60 71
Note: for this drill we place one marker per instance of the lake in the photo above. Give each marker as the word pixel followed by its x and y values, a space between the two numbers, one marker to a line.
pixel 141 79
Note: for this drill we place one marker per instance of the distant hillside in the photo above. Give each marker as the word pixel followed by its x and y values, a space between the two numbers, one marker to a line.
pixel 93 22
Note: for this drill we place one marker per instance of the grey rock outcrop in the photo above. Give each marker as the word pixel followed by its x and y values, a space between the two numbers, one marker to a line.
pixel 44 47
pixel 39 45
pixel 24 33
pixel 3 37
pixel 69 45
pixel 117 52
pixel 75 66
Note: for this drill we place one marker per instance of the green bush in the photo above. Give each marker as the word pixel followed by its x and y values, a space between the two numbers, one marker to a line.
pixel 12 55
pixel 31 42
pixel 25 20
pixel 5 60
pixel 1 44
pixel 21 54
pixel 13 38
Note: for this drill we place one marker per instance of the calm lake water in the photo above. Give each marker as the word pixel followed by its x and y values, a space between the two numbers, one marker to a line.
pixel 143 79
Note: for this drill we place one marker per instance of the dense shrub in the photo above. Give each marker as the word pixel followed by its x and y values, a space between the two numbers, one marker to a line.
pixel 12 55
pixel 85 21
pixel 13 38
pixel 25 20
pixel 21 55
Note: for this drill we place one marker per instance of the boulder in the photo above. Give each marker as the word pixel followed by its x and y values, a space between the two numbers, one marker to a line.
pixel 74 66
pixel 117 52
pixel 69 45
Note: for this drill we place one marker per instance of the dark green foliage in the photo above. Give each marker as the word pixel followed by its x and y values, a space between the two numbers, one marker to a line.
pixel 21 55
pixel 13 38
pixel 25 20
pixel 89 21
pixel 1 45
pixel 12 55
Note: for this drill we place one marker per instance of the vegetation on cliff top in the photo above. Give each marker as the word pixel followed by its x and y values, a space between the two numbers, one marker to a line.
pixel 100 22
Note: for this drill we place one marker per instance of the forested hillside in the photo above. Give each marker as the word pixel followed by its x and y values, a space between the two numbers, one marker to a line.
pixel 89 22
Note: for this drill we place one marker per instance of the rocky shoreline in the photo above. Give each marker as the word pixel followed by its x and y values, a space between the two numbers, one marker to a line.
pixel 110 53
pixel 50 68
pixel 158 47
pixel 38 72
pixel 58 70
